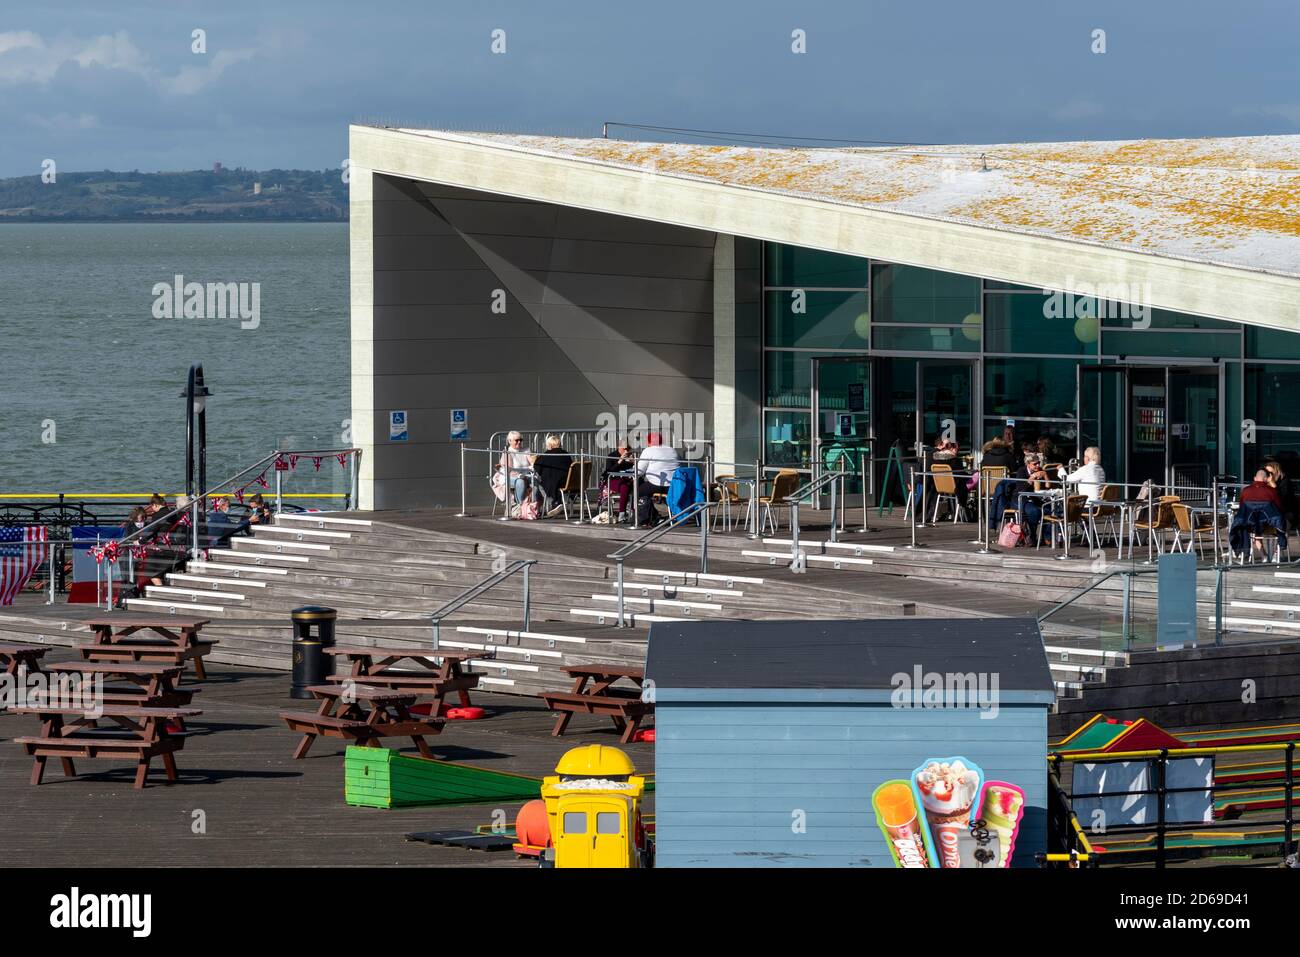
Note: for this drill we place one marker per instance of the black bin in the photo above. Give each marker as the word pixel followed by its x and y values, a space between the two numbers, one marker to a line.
pixel 313 632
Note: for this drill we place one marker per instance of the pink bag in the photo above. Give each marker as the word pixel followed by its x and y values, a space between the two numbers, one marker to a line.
pixel 1012 534
pixel 528 509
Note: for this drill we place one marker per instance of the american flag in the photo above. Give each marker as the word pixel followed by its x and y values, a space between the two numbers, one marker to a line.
pixel 19 558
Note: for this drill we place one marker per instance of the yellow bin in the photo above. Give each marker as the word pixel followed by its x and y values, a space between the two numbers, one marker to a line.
pixel 593 808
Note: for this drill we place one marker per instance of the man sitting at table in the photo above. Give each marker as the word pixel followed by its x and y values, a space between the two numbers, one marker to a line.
pixel 1090 476
pixel 1006 494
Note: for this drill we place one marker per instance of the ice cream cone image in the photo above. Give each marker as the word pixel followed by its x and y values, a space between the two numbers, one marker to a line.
pixel 1003 806
pixel 898 817
pixel 948 790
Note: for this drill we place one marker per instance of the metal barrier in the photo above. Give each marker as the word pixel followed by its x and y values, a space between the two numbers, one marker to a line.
pixel 474 591
pixel 1074 849
pixel 698 510
pixel 1163 827
pixel 835 480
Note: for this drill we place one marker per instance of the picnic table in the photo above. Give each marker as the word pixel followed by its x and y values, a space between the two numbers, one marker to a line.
pixel 375 666
pixel 15 657
pixel 174 640
pixel 593 693
pixel 139 734
pixel 343 714
pixel 147 684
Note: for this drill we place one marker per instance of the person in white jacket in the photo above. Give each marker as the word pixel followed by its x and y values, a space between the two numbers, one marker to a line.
pixel 1089 476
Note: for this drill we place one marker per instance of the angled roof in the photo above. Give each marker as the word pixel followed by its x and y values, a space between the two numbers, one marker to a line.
pixel 1232 200
pixel 844 654
pixel 1209 227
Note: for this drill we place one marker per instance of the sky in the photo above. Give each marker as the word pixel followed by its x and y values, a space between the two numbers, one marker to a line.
pixel 118 85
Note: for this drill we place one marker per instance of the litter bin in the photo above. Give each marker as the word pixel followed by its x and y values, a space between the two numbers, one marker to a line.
pixel 313 632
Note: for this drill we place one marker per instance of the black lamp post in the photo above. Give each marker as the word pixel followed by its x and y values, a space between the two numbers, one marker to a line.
pixel 196 396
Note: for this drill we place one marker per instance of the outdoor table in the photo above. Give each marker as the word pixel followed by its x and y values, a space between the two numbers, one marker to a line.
pixel 140 734
pixel 148 684
pixel 1046 495
pixel 375 665
pixel 343 714
pixel 175 639
pixel 592 693
pixel 14 658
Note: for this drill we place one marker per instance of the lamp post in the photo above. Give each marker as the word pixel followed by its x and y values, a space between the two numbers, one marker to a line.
pixel 196 396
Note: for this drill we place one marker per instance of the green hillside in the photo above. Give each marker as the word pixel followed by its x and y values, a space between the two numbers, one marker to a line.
pixel 287 195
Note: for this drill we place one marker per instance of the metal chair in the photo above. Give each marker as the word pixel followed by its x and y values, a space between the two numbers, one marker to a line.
pixel 1101 509
pixel 1163 521
pixel 785 482
pixel 575 484
pixel 945 490
pixel 1186 524
pixel 1072 515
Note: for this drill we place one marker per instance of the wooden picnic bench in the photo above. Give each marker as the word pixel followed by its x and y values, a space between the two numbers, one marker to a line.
pixel 342 714
pixel 139 734
pixel 593 693
pixel 375 666
pixel 146 684
pixel 175 640
pixel 15 657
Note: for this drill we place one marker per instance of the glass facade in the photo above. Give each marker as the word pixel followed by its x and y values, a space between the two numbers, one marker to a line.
pixel 1190 391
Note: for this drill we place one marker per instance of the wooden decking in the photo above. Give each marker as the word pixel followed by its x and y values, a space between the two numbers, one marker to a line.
pixel 263 808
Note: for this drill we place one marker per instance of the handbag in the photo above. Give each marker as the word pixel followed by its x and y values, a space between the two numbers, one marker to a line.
pixel 1012 535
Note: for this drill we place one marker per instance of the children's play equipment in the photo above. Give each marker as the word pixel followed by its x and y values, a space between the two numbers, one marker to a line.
pixel 380 777
pixel 593 811
pixel 1197 794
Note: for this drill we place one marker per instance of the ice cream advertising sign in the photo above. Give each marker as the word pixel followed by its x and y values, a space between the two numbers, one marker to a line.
pixel 948 816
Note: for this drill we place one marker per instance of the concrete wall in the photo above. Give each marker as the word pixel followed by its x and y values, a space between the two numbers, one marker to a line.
pixel 599 311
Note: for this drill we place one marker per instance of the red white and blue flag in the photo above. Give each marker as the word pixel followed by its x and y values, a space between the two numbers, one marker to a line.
pixel 22 550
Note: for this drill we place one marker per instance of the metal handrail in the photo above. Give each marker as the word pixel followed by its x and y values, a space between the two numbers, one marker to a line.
pixel 694 510
pixel 475 590
pixel 795 498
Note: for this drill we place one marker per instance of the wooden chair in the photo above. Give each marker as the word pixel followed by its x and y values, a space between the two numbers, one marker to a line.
pixel 945 490
pixel 1186 523
pixel 1074 514
pixel 1101 510
pixel 785 483
pixel 1164 520
pixel 575 484
pixel 728 495
pixel 990 476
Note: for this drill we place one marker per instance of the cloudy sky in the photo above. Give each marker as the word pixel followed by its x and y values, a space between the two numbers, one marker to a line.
pixel 116 85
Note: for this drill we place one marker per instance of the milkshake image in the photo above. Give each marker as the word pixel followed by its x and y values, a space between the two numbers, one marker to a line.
pixel 1004 804
pixel 948 790
pixel 896 813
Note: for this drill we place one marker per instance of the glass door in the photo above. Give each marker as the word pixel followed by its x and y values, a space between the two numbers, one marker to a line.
pixel 1148 424
pixel 842 417
pixel 944 398
pixel 1103 392
pixel 1194 439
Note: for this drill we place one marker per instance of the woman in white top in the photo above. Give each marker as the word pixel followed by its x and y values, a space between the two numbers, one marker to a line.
pixel 519 460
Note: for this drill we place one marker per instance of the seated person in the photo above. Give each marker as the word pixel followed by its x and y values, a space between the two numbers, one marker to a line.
pixel 259 513
pixel 1006 494
pixel 519 461
pixel 621 460
pixel 1089 477
pixel 551 469
pixel 1259 511
pixel 156 504
pixel 655 467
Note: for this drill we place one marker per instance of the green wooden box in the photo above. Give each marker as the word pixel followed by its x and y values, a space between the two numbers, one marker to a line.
pixel 381 777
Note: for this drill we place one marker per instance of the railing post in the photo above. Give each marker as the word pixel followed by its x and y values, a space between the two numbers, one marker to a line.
pixel 527 595
pixel 1218 605
pixel 1214 502
pixel 1128 576
pixel 703 515
pixel 356 479
pixel 621 620
pixel 1289 820
pixel 194 520
pixel 461 513
pixel 510 486
pixel 794 530
pixel 1161 763
pixel 52 551
pixel 636 507
pixel 279 489
pixel 835 512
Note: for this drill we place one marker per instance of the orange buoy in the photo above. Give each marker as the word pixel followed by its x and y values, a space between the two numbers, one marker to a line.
pixel 645 734
pixel 464 713
pixel 531 828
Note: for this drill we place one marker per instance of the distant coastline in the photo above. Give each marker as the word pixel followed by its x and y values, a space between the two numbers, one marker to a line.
pixel 218 195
